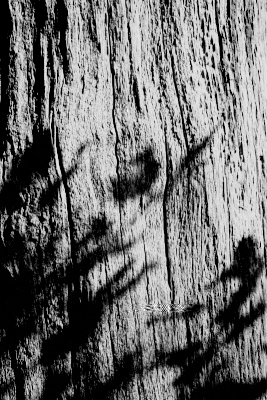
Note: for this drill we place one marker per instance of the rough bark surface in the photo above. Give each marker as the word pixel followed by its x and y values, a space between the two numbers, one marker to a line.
pixel 133 198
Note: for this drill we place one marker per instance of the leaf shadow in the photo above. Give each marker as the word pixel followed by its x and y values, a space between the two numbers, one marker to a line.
pixel 248 267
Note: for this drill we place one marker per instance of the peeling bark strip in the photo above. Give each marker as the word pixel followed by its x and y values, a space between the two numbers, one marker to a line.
pixel 133 198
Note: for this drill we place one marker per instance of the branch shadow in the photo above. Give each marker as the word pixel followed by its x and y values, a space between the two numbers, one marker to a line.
pixel 76 334
pixel 25 167
pixel 21 271
pixel 193 360
pixel 20 315
pixel 247 267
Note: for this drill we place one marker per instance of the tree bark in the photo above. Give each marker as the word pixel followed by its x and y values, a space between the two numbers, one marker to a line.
pixel 133 197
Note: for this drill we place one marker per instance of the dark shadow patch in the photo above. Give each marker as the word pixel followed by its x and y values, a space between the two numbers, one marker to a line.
pixel 32 163
pixel 192 157
pixel 144 172
pixel 85 311
pixel 61 26
pixel 232 390
pixel 87 315
pixel 247 266
pixel 136 94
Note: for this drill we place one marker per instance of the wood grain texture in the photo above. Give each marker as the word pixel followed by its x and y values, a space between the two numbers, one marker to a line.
pixel 133 196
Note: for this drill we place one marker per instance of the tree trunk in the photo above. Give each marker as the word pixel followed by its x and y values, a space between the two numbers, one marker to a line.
pixel 133 197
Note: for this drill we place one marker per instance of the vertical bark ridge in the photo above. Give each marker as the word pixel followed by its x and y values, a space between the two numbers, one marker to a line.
pixel 7 75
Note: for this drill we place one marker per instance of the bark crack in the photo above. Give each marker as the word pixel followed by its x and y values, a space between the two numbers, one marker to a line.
pixel 184 131
pixel 165 222
pixel 112 70
pixel 165 193
pixel 19 376
pixel 187 164
pixel 148 296
pixel 147 279
pixel 149 301
pixel 74 281
pixel 109 325
pixel 180 108
pixel 67 194
pixel 220 45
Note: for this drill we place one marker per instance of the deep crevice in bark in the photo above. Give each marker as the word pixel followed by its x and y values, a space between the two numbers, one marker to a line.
pixel 61 26
pixel 19 376
pixel 112 70
pixel 220 41
pixel 165 222
pixel 74 285
pixel 180 107
pixel 149 300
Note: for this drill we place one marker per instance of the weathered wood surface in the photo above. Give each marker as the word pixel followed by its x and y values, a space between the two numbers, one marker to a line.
pixel 133 173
